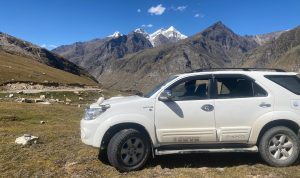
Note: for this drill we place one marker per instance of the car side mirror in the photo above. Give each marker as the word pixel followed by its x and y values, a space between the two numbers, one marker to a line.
pixel 165 95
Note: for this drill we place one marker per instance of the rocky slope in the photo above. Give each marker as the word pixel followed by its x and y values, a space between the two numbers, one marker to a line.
pixel 15 46
pixel 217 46
pixel 116 64
pixel 283 52
pixel 16 68
pixel 262 39
pixel 94 54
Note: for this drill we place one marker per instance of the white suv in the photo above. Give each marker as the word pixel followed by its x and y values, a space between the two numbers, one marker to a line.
pixel 236 110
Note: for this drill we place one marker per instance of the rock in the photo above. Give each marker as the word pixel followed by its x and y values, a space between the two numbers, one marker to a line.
pixel 52 100
pixel 11 95
pixel 42 122
pixel 45 102
pixel 25 100
pixel 76 92
pixel 42 97
pixel 68 100
pixel 80 98
pixel 67 103
pixel 44 73
pixel 203 168
pixel 220 169
pixel 79 106
pixel 38 100
pixel 26 139
pixel 20 92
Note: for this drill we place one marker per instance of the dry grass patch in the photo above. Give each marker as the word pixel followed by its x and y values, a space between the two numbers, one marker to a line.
pixel 60 152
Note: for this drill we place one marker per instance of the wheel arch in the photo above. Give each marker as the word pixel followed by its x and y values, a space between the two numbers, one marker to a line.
pixel 121 126
pixel 279 122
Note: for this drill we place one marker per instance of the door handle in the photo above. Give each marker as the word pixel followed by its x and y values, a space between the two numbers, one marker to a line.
pixel 265 105
pixel 207 107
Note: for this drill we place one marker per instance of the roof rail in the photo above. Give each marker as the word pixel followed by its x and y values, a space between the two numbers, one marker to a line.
pixel 243 69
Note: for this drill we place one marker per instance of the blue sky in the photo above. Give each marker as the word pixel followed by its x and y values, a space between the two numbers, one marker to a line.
pixel 56 22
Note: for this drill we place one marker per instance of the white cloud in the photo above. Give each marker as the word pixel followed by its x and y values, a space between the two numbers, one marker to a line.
pixel 139 10
pixel 51 46
pixel 199 15
pixel 147 26
pixel 158 10
pixel 180 8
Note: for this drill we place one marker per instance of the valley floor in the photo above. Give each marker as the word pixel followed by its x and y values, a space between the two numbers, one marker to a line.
pixel 60 152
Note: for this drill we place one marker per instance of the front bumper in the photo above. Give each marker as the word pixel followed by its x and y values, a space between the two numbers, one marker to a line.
pixel 88 129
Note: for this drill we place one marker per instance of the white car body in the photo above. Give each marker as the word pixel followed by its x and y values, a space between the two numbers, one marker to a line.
pixel 233 120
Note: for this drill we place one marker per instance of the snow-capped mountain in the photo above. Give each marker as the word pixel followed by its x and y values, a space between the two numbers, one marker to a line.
pixel 162 36
pixel 143 32
pixel 115 35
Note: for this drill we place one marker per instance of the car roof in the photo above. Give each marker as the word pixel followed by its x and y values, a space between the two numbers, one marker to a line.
pixel 237 72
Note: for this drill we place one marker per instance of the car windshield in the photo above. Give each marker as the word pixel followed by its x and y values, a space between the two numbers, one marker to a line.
pixel 158 87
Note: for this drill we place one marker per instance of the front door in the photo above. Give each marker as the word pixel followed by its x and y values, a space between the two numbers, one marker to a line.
pixel 188 118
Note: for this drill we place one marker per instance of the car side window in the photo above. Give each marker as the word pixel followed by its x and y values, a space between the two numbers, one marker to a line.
pixel 194 89
pixel 238 87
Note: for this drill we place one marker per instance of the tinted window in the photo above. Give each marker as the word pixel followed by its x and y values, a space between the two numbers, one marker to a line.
pixel 190 90
pixel 290 82
pixel 237 87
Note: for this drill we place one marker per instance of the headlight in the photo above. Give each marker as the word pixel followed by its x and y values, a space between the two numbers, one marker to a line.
pixel 92 113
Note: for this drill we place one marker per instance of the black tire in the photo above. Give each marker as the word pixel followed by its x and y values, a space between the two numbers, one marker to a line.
pixel 279 147
pixel 127 145
pixel 102 156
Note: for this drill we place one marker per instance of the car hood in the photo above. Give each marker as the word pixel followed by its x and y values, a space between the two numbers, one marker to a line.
pixel 122 99
pixel 117 100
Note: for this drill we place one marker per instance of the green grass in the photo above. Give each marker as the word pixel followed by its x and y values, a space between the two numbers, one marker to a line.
pixel 61 153
pixel 17 68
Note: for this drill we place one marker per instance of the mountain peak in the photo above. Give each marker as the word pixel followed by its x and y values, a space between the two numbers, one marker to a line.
pixel 170 34
pixel 218 24
pixel 142 31
pixel 115 35
pixel 171 28
pixel 139 30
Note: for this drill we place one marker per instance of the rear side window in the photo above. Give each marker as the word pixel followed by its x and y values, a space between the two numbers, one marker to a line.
pixel 290 82
pixel 238 87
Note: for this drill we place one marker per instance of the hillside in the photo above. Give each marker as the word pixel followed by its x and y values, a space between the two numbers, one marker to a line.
pixel 281 53
pixel 93 55
pixel 115 64
pixel 216 46
pixel 15 68
pixel 16 46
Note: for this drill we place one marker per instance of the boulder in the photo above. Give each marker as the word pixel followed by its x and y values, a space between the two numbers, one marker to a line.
pixel 26 100
pixel 11 95
pixel 80 98
pixel 42 97
pixel 44 102
pixel 27 139
pixel 68 100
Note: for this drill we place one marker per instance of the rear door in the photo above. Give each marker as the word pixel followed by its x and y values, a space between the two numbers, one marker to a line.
pixel 239 101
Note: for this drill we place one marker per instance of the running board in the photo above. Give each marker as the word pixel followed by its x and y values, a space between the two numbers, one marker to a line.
pixel 220 150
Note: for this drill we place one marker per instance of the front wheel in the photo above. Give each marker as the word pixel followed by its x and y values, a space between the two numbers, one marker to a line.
pixel 128 150
pixel 279 146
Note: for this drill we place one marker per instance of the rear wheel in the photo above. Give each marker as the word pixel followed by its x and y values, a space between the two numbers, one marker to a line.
pixel 279 146
pixel 128 150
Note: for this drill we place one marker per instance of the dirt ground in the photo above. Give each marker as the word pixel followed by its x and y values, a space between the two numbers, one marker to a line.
pixel 60 152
